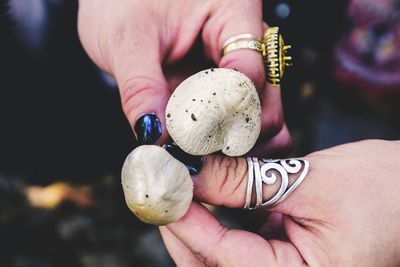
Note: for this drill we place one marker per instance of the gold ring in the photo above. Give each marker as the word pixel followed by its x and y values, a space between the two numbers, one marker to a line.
pixel 242 41
pixel 240 37
pixel 275 55
pixel 272 49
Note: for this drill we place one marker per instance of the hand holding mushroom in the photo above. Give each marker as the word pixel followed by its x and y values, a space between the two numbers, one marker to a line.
pixel 341 215
pixel 345 213
pixel 216 109
pixel 149 47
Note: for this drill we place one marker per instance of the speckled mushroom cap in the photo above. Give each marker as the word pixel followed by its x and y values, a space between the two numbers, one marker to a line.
pixel 157 187
pixel 215 109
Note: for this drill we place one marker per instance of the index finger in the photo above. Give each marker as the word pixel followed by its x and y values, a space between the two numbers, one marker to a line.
pixel 229 19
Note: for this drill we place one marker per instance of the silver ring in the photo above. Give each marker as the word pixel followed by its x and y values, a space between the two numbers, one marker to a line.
pixel 271 172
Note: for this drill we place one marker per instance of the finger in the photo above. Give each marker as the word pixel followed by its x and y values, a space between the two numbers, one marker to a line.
pixel 230 18
pixel 136 65
pixel 276 147
pixel 274 139
pixel 181 255
pixel 223 181
pixel 215 245
pixel 272 119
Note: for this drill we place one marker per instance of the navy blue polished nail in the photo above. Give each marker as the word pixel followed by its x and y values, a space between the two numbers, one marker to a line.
pixel 148 129
pixel 193 163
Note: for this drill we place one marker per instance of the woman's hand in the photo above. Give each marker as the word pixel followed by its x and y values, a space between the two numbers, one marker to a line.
pixel 345 213
pixel 141 42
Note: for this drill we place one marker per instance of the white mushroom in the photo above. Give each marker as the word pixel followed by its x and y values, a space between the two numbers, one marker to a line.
pixel 157 187
pixel 215 109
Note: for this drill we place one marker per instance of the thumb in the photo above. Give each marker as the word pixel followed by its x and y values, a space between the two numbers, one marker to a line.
pixel 143 88
pixel 199 234
pixel 223 181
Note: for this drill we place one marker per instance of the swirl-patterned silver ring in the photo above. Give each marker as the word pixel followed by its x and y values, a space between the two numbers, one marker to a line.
pixel 271 172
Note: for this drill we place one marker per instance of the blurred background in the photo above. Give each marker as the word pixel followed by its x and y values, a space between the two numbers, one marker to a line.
pixel 63 136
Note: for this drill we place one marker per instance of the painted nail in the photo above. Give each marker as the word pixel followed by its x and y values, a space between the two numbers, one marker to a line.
pixel 148 129
pixel 193 163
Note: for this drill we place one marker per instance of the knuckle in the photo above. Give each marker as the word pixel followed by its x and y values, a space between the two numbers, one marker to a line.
pixel 136 89
pixel 231 173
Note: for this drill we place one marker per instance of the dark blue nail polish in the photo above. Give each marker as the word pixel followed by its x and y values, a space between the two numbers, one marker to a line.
pixel 148 129
pixel 193 163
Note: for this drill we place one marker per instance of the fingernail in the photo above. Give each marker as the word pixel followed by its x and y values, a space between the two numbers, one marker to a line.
pixel 148 129
pixel 193 163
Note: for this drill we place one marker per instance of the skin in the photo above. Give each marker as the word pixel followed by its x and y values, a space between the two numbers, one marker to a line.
pixel 147 47
pixel 345 213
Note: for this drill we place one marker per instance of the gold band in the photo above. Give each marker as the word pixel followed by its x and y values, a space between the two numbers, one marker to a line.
pixel 242 44
pixel 242 41
pixel 272 49
pixel 240 37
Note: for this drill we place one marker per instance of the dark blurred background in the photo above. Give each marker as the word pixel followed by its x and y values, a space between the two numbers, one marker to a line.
pixel 63 136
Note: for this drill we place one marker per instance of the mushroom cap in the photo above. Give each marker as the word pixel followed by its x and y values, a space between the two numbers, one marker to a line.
pixel 215 109
pixel 157 187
